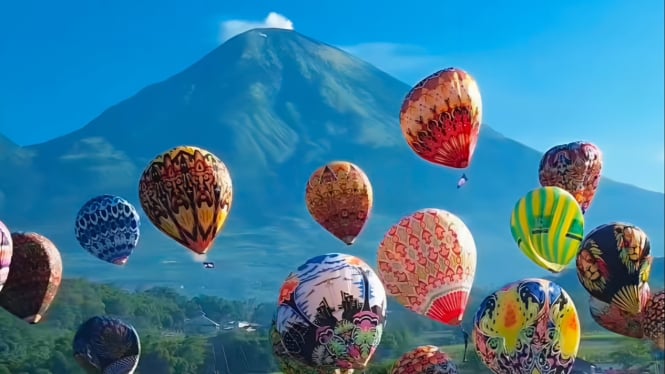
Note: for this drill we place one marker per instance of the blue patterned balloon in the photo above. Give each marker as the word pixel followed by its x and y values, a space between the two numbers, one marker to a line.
pixel 108 227
pixel 107 345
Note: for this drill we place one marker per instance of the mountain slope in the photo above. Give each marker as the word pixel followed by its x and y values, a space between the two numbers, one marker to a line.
pixel 275 105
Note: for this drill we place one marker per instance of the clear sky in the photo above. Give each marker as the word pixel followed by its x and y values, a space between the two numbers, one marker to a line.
pixel 549 71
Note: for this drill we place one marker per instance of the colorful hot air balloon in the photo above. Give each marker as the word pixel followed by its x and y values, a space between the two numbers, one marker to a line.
pixel 530 326
pixel 187 193
pixel 331 312
pixel 6 249
pixel 614 264
pixel 441 118
pixel 548 226
pixel 34 277
pixel 287 365
pixel 339 197
pixel 427 262
pixel 617 320
pixel 426 359
pixel 108 227
pixel 107 344
pixel 575 167
pixel 653 317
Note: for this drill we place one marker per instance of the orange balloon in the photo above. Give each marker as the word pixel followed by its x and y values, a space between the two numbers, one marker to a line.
pixel 441 118
pixel 34 277
pixel 425 359
pixel 427 262
pixel 339 197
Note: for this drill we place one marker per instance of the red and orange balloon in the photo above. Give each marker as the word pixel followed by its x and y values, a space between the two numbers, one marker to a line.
pixel 441 118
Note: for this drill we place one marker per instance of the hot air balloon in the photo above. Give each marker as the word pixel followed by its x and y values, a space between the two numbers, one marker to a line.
pixel 6 249
pixel 529 326
pixel 441 118
pixel 427 262
pixel 107 226
pixel 187 193
pixel 34 277
pixel 548 226
pixel 286 363
pixel 339 197
pixel 614 264
pixel 652 319
pixel 108 345
pixel 331 312
pixel 575 167
pixel 617 320
pixel 426 359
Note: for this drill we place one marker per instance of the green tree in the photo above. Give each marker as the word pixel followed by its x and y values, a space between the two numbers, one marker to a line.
pixel 632 352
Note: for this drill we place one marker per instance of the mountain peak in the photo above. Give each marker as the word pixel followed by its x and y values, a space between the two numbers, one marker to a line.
pixel 271 90
pixel 271 47
pixel 275 57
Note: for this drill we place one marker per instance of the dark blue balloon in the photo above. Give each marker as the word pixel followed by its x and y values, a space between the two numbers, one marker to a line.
pixel 108 227
pixel 108 345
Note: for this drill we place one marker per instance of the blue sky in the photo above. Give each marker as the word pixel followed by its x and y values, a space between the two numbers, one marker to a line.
pixel 549 72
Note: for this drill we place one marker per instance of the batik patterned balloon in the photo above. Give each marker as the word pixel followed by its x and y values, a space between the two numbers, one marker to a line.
pixel 286 363
pixel 575 167
pixel 617 320
pixel 108 227
pixel 339 197
pixel 331 312
pixel 530 326
pixel 108 344
pixel 614 264
pixel 34 277
pixel 441 118
pixel 653 319
pixel 6 249
pixel 186 193
pixel 427 262
pixel 426 359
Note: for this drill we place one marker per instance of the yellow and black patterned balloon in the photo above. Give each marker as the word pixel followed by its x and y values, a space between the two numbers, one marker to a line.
pixel 187 193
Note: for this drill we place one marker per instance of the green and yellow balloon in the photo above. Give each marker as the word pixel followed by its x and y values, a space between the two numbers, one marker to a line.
pixel 548 226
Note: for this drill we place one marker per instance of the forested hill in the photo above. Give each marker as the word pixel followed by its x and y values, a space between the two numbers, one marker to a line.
pixel 172 341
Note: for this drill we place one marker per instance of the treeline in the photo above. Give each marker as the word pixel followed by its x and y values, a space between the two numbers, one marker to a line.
pixel 159 315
